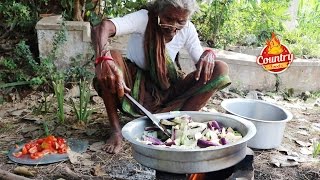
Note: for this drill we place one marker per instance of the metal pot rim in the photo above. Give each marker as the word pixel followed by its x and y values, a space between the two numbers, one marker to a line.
pixel 225 102
pixel 251 132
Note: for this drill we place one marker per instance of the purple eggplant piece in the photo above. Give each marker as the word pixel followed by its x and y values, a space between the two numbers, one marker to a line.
pixel 203 143
pixel 223 141
pixel 151 128
pixel 214 124
pixel 153 140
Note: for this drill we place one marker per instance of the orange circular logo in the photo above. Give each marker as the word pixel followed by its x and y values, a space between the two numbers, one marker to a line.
pixel 275 57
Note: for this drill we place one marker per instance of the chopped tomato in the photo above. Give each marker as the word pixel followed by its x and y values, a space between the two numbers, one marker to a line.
pixel 51 138
pixel 34 156
pixel 63 150
pixel 39 141
pixel 27 146
pixel 24 150
pixel 56 145
pixel 43 146
pixel 32 150
pixel 61 140
pixel 17 154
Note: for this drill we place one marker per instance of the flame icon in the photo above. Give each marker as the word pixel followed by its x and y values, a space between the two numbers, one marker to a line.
pixel 273 46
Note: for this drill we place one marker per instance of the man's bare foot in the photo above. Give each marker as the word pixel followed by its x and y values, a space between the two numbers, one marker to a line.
pixel 114 143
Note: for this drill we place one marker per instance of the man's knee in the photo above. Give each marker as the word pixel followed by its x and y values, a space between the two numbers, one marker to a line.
pixel 221 68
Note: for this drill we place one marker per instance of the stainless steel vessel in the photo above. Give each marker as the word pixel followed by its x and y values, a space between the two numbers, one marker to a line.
pixel 269 119
pixel 183 161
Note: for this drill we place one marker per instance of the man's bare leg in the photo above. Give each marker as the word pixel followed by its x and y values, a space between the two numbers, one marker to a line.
pixel 114 143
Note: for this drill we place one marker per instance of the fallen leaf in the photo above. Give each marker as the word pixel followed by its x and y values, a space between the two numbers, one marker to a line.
pixel 302 120
pixel 289 163
pixel 3 114
pixel 316 126
pixel 90 131
pixel 276 162
pixel 284 161
pixel 24 171
pixel 87 162
pixel 97 146
pixel 97 171
pixel 303 132
pixel 18 112
pixel 29 129
pixel 34 119
pixel 286 151
pixel 74 157
pixel 302 143
pixel 73 92
pixel 305 151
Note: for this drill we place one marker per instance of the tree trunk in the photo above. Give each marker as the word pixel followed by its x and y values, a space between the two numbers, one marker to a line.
pixel 77 11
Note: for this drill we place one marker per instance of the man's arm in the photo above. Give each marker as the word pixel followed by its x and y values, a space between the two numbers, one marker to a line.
pixel 100 35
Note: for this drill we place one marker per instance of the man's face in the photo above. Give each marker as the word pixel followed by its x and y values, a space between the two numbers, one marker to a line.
pixel 172 20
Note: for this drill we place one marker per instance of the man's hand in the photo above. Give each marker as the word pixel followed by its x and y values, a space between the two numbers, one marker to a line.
pixel 205 66
pixel 110 77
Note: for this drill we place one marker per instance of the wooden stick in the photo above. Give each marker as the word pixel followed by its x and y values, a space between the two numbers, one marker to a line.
pixel 5 175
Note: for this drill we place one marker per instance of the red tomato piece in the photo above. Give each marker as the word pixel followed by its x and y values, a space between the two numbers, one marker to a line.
pixel 39 141
pixel 62 150
pixel 28 146
pixel 34 156
pixel 56 145
pixel 51 138
pixel 17 154
pixel 46 145
pixel 32 150
pixel 61 140
pixel 24 150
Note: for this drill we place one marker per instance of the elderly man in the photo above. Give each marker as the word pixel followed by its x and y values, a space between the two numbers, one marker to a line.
pixel 149 72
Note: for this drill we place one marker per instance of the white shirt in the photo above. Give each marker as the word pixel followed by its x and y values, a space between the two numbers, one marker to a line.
pixel 136 23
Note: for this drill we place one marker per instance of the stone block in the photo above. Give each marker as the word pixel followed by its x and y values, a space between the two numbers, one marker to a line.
pixel 78 42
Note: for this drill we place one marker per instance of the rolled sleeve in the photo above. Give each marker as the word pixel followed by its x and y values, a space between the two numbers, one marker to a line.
pixel 135 22
pixel 192 44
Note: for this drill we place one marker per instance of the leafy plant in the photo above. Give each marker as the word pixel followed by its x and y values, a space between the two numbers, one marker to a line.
pixel 14 14
pixel 43 106
pixel 46 129
pixel 316 149
pixel 210 20
pixel 58 86
pixel 110 9
pixel 82 111
pixel 224 23
pixel 79 69
pixel 304 40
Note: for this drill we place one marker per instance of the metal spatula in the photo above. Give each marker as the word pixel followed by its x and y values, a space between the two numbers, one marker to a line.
pixel 154 119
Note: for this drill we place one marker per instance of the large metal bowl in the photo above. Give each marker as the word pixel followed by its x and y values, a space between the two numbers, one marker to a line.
pixel 183 161
pixel 269 119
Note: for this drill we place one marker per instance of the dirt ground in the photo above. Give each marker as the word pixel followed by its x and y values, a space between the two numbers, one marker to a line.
pixel 22 120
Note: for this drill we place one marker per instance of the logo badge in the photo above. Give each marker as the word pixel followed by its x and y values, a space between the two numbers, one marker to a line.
pixel 275 57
